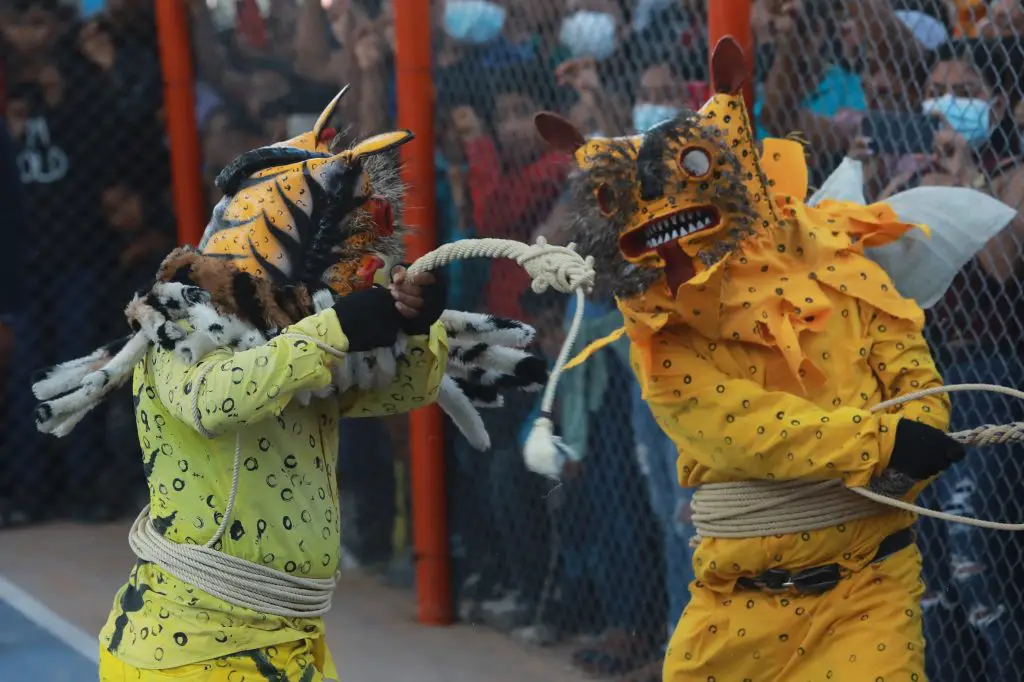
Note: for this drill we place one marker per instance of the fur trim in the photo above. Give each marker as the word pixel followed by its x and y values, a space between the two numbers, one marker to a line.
pixel 61 412
pixel 475 327
pixel 457 406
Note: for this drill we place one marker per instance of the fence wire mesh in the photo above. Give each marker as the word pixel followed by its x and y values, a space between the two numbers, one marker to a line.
pixel 923 92
pixel 87 217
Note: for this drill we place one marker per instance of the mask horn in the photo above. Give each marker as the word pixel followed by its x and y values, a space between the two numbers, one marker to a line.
pixel 328 113
pixel 728 66
pixel 558 132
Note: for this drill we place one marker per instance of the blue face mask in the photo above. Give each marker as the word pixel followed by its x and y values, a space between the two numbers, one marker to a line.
pixel 473 21
pixel 589 34
pixel 646 116
pixel 968 117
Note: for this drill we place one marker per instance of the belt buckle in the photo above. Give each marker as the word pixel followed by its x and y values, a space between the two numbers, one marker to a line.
pixel 816 580
pixel 777 581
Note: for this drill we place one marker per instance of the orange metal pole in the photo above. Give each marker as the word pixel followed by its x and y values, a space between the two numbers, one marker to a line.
pixel 416 113
pixel 732 18
pixel 180 115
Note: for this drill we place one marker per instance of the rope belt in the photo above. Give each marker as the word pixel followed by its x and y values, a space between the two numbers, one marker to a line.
pixel 236 581
pixel 749 509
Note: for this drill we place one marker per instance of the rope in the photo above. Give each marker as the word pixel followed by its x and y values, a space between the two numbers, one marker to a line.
pixel 265 590
pixel 762 508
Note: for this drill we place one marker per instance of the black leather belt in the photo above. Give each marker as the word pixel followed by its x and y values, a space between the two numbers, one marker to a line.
pixel 821 578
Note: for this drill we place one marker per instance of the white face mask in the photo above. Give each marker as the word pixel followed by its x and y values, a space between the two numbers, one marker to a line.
pixel 971 118
pixel 646 116
pixel 473 21
pixel 589 34
pixel 645 12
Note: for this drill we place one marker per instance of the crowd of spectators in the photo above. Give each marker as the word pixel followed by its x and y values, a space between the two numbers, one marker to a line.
pixel 922 92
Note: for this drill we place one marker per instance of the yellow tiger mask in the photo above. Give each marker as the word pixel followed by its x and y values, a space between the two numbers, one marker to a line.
pixel 300 212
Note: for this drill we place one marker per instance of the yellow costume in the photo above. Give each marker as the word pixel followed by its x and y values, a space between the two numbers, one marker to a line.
pixel 761 337
pixel 245 355
pixel 287 514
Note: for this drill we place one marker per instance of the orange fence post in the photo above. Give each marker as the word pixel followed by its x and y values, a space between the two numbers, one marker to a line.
pixel 732 18
pixel 416 113
pixel 180 117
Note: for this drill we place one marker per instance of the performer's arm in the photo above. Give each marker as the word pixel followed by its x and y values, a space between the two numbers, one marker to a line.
pixel 416 382
pixel 901 360
pixel 735 425
pixel 246 386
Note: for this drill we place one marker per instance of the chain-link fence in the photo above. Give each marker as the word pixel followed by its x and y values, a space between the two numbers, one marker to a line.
pixel 87 218
pixel 929 94
pixel 923 92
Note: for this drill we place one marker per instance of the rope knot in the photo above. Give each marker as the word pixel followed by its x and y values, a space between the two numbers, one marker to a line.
pixel 558 267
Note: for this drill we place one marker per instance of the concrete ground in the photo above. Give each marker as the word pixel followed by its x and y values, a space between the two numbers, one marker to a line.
pixel 63 577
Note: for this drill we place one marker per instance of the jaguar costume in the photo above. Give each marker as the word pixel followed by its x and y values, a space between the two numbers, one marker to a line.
pixel 762 334
pixel 253 346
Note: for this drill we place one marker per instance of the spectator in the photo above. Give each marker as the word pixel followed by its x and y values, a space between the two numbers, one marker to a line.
pixel 57 151
pixel 31 29
pixel 605 521
pixel 1005 19
pixel 516 180
pixel 969 570
pixel 12 305
pixel 499 512
pixel 230 131
pixel 664 92
pixel 596 112
pixel 812 91
pixel 594 28
pixel 130 72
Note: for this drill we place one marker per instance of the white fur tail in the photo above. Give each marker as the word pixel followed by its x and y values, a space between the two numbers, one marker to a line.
pixel 457 406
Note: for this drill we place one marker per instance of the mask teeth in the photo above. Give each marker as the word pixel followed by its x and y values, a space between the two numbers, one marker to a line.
pixel 677 226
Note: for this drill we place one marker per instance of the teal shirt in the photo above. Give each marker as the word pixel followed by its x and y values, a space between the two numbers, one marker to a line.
pixel 838 89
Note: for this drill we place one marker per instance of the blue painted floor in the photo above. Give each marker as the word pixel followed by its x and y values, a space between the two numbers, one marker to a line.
pixel 28 652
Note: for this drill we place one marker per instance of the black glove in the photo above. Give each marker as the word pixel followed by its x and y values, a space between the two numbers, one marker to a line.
pixel 369 319
pixel 434 298
pixel 921 451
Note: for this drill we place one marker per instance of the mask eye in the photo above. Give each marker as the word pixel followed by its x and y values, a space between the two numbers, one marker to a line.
pixel 606 200
pixel 695 161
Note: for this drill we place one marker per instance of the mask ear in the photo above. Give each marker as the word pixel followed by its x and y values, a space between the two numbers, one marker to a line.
pixel 327 114
pixel 377 144
pixel 728 67
pixel 558 132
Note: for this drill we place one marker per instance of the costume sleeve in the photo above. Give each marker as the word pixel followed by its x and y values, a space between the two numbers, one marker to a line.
pixel 246 386
pixel 416 382
pixel 901 360
pixel 738 427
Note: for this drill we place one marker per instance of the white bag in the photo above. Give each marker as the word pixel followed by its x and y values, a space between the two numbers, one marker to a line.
pixel 923 267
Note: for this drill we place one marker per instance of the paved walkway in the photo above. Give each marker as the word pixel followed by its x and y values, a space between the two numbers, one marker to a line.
pixel 57 584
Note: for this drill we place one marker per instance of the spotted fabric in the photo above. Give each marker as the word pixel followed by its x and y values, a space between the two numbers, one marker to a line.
pixel 286 512
pixel 866 629
pixel 761 341
pixel 307 660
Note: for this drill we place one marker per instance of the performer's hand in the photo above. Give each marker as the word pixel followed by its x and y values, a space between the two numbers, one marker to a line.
pixel 369 319
pixel 921 451
pixel 420 299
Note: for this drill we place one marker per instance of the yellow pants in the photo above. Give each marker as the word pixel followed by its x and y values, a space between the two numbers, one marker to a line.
pixel 303 661
pixel 866 629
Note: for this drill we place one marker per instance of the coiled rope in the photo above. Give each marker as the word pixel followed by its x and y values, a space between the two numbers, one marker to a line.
pixel 761 508
pixel 265 590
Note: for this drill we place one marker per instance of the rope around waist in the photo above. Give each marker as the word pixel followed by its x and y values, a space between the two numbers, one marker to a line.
pixel 749 509
pixel 236 581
